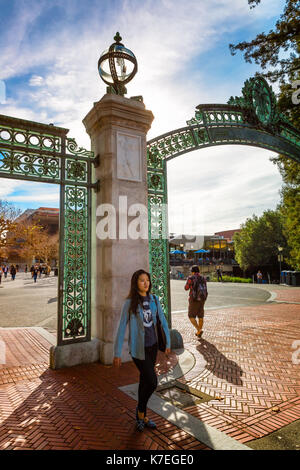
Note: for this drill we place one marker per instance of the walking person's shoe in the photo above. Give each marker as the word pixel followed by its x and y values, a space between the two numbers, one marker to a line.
pixel 140 423
pixel 199 334
pixel 149 423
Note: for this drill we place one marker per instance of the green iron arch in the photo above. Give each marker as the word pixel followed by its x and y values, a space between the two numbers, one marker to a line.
pixel 252 119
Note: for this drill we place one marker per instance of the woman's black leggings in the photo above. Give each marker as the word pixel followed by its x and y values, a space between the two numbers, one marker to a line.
pixel 148 379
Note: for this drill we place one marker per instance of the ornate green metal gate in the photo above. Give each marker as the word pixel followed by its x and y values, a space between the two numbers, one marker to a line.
pixel 252 119
pixel 38 152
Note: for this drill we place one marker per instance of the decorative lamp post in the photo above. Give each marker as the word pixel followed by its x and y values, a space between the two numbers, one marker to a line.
pixel 280 259
pixel 117 65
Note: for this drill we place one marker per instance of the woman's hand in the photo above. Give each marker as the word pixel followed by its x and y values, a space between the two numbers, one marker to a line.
pixel 168 351
pixel 117 361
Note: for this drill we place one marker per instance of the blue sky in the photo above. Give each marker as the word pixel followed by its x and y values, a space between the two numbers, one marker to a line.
pixel 48 63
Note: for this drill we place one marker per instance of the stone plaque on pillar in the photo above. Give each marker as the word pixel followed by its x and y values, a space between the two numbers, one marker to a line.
pixel 129 158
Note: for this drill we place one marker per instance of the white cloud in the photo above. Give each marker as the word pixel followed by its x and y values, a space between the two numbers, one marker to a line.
pixel 7 187
pixel 168 38
pixel 28 193
pixel 36 80
pixel 225 185
pixel 42 197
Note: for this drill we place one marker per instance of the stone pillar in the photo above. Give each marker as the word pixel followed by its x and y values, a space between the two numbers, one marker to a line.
pixel 117 127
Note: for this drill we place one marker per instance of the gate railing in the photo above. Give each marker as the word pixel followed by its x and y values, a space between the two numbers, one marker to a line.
pixel 32 151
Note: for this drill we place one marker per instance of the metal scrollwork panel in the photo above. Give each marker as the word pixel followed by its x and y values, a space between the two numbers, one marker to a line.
pixel 29 165
pixel 76 171
pixel 73 148
pixel 158 251
pixel 75 282
pixel 30 139
pixel 291 135
pixel 169 145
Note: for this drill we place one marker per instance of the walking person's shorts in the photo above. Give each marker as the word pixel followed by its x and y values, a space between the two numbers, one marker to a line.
pixel 196 308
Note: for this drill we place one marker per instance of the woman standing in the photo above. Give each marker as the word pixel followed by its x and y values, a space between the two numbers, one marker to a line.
pixel 140 309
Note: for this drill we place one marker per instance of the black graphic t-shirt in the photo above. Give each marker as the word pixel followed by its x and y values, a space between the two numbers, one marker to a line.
pixel 150 335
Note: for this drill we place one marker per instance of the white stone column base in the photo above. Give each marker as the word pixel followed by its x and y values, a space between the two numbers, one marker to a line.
pixel 74 354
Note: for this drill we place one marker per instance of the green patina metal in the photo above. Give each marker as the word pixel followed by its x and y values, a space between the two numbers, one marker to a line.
pixel 252 119
pixel 33 151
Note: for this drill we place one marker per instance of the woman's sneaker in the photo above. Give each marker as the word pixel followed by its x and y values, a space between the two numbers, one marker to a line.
pixel 140 423
pixel 149 423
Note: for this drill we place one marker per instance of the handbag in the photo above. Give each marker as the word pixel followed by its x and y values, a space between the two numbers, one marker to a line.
pixel 161 335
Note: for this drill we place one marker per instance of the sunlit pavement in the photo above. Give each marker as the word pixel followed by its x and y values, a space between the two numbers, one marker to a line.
pixel 24 302
pixel 247 360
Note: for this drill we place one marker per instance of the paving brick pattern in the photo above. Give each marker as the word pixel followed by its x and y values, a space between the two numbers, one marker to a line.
pixel 77 408
pixel 244 360
pixel 291 294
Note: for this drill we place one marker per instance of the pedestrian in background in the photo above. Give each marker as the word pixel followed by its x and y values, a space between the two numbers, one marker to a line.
pixel 196 284
pixel 141 310
pixel 259 277
pixel 13 272
pixel 219 273
pixel 1 273
pixel 35 273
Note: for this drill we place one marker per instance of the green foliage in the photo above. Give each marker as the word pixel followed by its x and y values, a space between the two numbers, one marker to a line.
pixel 278 52
pixel 290 172
pixel 291 219
pixel 257 243
pixel 8 213
pixel 231 279
pixel 270 50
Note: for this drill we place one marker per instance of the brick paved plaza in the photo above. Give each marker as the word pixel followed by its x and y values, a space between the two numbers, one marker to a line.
pixel 243 361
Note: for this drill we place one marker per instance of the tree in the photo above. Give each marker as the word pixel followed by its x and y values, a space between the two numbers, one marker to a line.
pixel 31 241
pixel 290 209
pixel 8 214
pixel 257 243
pixel 266 50
pixel 47 247
pixel 290 172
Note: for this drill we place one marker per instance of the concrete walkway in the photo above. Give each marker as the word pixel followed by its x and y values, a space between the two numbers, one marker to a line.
pixel 240 382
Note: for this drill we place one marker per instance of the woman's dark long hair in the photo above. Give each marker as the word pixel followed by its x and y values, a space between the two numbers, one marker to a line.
pixel 134 293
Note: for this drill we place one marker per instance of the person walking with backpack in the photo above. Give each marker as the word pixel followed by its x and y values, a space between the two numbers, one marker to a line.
pixel 13 272
pixel 196 284
pixel 143 312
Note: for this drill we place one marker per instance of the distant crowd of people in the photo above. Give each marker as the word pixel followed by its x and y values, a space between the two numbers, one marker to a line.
pixel 5 270
pixel 36 271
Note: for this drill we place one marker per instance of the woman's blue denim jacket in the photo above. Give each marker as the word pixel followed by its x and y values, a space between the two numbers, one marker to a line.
pixel 136 338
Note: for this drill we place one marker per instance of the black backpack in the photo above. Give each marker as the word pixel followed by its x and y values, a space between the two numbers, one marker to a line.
pixel 199 290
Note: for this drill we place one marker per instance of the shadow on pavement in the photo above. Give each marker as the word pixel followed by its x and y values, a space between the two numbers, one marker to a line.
pixel 218 364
